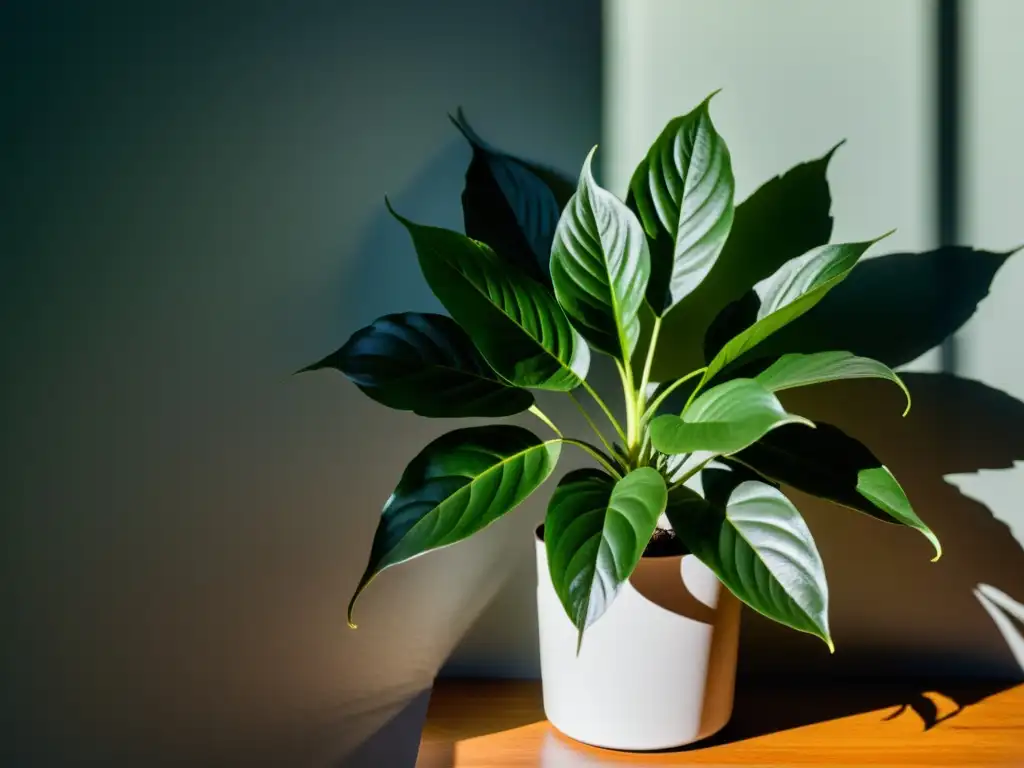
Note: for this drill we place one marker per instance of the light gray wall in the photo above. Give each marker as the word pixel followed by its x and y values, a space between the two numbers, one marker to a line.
pixel 990 345
pixel 192 203
pixel 797 76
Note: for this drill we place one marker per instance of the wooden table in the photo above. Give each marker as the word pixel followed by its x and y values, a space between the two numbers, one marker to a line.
pixel 494 724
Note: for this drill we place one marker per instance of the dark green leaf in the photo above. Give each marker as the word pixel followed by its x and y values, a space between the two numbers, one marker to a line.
pixel 723 420
pixel 683 193
pixel 513 320
pixel 734 319
pixel 789 293
pixel 827 463
pixel 595 533
pixel 791 371
pixel 426 364
pixel 759 546
pixel 458 485
pixel 510 204
pixel 599 267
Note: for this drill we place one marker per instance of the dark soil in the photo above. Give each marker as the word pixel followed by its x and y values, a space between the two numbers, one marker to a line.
pixel 662 544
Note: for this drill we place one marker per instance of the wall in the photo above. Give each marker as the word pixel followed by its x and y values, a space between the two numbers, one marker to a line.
pixel 990 347
pixel 193 209
pixel 796 77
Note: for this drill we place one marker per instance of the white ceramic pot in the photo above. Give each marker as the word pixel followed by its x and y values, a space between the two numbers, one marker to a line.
pixel 656 671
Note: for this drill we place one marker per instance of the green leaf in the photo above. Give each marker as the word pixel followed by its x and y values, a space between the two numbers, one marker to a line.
pixel 513 320
pixel 595 533
pixel 927 296
pixel 758 545
pixel 723 420
pixel 791 371
pixel 789 293
pixel 510 204
pixel 784 218
pixel 426 364
pixel 683 193
pixel 599 267
pixel 458 485
pixel 827 463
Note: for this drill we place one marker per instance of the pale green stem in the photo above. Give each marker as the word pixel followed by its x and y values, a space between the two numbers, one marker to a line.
pixel 605 408
pixel 590 421
pixel 543 417
pixel 649 363
pixel 696 390
pixel 653 407
pixel 626 374
pixel 645 448
pixel 598 456
pixel 690 474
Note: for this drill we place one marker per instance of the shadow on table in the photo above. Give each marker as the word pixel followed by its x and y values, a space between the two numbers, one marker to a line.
pixel 763 711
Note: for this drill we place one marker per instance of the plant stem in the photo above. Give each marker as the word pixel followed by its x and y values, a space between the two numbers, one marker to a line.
pixel 690 474
pixel 696 390
pixel 653 407
pixel 590 421
pixel 649 363
pixel 607 411
pixel 543 417
pixel 601 459
pixel 626 374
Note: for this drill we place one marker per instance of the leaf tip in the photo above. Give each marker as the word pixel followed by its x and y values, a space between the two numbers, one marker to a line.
pixel 938 548
pixel 391 209
pixel 829 643
pixel 827 157
pixel 882 237
pixel 906 394
pixel 348 613
pixel 586 174
pixel 710 96
pixel 463 126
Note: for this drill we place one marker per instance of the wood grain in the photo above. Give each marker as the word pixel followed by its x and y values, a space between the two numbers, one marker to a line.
pixel 493 724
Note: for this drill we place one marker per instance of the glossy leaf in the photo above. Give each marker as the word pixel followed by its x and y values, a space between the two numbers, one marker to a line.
pixel 759 546
pixel 683 193
pixel 784 218
pixel 512 319
pixel 827 463
pixel 458 485
pixel 896 307
pixel 426 364
pixel 791 371
pixel 599 267
pixel 789 293
pixel 511 204
pixel 595 533
pixel 723 420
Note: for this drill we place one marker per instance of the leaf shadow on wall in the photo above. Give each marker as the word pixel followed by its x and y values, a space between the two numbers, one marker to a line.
pixel 412 617
pixel 895 615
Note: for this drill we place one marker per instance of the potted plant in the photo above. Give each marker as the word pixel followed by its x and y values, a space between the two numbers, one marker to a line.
pixel 637 635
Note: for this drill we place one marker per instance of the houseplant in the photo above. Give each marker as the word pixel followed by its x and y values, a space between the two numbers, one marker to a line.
pixel 685 495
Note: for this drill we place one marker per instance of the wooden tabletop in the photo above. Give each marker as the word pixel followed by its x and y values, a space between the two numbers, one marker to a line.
pixel 494 724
